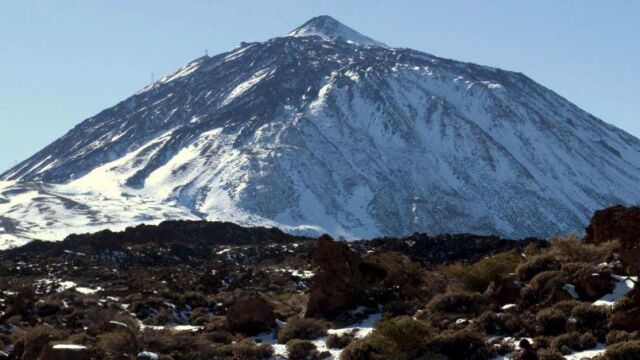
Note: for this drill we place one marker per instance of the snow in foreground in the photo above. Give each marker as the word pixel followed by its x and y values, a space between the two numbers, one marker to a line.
pixel 360 329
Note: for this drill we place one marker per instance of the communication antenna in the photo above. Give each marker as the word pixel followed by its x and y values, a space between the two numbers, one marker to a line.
pixel 152 78
pixel 206 52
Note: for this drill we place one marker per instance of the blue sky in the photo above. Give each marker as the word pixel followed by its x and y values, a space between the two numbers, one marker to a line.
pixel 65 60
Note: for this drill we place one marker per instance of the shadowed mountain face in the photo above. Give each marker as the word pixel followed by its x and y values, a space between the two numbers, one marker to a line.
pixel 327 130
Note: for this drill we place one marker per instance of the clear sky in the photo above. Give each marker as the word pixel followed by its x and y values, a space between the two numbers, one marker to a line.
pixel 62 61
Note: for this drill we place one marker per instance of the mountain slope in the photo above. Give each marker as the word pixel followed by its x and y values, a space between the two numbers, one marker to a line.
pixel 326 130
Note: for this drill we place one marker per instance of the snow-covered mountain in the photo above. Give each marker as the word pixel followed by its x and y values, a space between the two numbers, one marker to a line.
pixel 327 130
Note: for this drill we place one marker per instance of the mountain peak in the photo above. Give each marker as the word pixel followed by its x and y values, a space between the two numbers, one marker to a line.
pixel 329 28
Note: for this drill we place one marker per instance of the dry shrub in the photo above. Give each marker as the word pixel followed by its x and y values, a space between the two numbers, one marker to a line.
pixel 623 351
pixel 48 308
pixel 219 336
pixel 503 324
pixel 459 303
pixel 401 337
pixel 567 343
pixel 588 341
pixel 619 336
pixel 288 304
pixel 542 342
pixel 535 265
pixel 194 299
pixel 33 339
pixel 550 354
pixel 590 317
pixel 360 349
pixel 571 249
pixel 462 344
pixel 543 286
pixel 300 349
pixel 114 344
pixel 479 275
pixel 302 328
pixel 244 349
pixel 335 341
pixel 566 306
pixel 551 321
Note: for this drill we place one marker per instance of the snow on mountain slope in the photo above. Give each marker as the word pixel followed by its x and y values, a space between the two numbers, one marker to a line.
pixel 330 133
pixel 329 28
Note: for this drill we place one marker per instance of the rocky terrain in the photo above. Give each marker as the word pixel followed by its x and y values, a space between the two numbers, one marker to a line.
pixel 202 290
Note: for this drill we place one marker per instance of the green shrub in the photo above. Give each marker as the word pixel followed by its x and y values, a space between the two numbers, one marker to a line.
pixel 302 328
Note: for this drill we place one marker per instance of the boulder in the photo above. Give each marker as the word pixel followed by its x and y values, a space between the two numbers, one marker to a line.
pixel 593 286
pixel 64 352
pixel 251 315
pixel 622 224
pixel 345 281
pixel 339 284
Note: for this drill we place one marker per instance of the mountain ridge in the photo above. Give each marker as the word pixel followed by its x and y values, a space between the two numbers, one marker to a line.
pixel 318 134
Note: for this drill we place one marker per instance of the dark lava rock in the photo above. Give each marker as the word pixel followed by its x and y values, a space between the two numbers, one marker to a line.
pixel 339 284
pixel 594 286
pixel 622 224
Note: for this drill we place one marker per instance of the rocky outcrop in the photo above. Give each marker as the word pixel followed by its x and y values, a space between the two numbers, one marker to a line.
pixel 614 223
pixel 340 282
pixel 622 224
pixel 345 280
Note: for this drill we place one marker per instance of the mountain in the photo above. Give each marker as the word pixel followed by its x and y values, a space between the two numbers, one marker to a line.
pixel 327 130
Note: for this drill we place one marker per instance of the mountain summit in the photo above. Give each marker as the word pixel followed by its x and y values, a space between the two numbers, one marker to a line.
pixel 327 27
pixel 326 131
